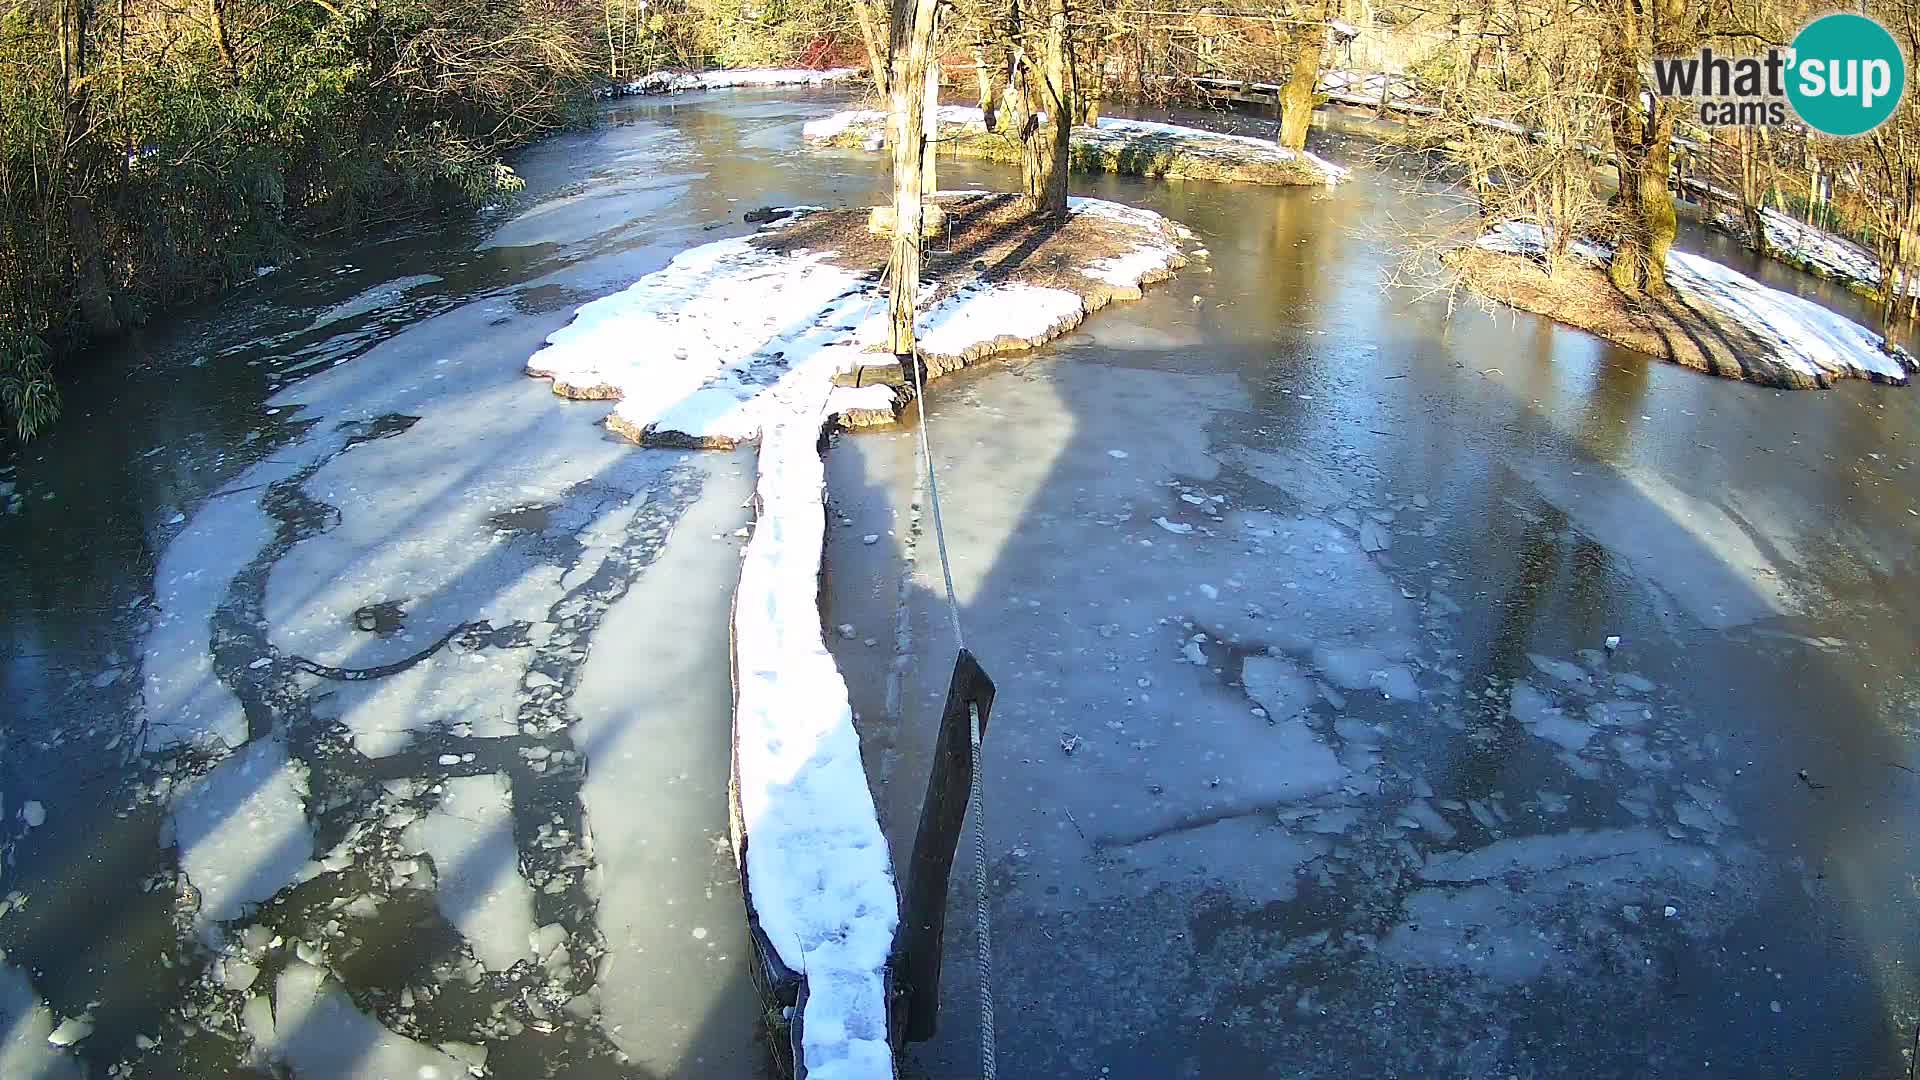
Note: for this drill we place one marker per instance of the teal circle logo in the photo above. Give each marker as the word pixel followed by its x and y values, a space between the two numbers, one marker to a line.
pixel 1847 75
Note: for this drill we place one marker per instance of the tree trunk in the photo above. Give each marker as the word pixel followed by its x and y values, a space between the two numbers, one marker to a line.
pixel 1090 81
pixel 1062 107
pixel 217 21
pixel 76 169
pixel 911 48
pixel 1751 199
pixel 90 285
pixel 1469 65
pixel 1813 191
pixel 1025 121
pixel 1901 249
pixel 1642 147
pixel 613 54
pixel 1296 97
pixel 1036 86
pixel 1645 202
pixel 1889 289
pixel 870 34
pixel 987 86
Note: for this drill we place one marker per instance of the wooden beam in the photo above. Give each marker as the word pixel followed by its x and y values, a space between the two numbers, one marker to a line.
pixel 923 916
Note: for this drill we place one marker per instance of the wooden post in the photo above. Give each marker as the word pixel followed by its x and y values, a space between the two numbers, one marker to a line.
pixel 923 915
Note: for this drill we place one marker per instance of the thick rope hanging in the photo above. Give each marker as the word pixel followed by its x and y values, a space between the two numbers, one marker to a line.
pixel 983 931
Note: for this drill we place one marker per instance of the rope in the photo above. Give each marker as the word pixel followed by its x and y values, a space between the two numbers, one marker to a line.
pixel 933 497
pixel 983 930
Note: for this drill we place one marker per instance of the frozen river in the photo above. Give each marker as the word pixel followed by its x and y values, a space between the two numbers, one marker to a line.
pixel 366 707
pixel 1310 755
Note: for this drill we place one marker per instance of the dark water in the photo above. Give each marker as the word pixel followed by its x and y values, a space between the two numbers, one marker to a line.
pixel 1754 549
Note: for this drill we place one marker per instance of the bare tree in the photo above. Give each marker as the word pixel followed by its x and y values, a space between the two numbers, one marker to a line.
pixel 1892 181
pixel 1525 133
pixel 867 14
pixel 1752 188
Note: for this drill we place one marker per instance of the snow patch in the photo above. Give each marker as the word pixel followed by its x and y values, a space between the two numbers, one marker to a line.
pixel 817 864
pixel 1829 255
pixel 676 82
pixel 980 315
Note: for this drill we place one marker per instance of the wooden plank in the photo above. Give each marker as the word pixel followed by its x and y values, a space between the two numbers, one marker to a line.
pixel 923 916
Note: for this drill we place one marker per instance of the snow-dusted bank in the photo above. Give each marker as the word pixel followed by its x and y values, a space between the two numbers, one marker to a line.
pixel 677 82
pixel 1717 320
pixel 756 338
pixel 1815 251
pixel 1130 147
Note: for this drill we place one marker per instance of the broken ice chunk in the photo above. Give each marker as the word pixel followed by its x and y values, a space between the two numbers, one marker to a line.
pixel 71 1030
pixel 1531 708
pixel 1277 684
pixel 1565 671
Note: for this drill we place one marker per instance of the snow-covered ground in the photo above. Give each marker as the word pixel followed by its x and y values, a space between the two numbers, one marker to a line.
pixel 675 82
pixel 1817 249
pixel 1112 133
pixel 740 342
pixel 1802 335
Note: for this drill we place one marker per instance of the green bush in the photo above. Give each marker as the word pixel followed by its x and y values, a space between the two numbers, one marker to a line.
pixel 27 391
pixel 146 158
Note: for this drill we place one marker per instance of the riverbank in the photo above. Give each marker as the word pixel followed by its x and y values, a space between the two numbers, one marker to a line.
pixel 1813 250
pixel 771 337
pixel 680 82
pixel 1118 146
pixel 1715 320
